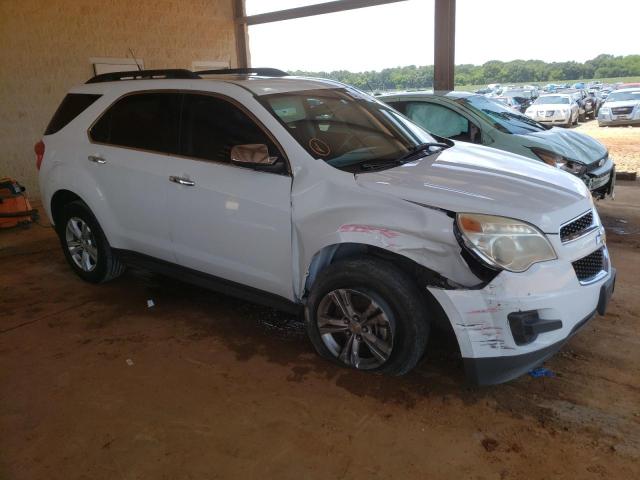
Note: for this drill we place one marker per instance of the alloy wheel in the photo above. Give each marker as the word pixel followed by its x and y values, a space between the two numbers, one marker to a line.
pixel 81 244
pixel 356 328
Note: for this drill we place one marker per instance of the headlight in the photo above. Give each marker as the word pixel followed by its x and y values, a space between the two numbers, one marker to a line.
pixel 605 110
pixel 559 161
pixel 504 243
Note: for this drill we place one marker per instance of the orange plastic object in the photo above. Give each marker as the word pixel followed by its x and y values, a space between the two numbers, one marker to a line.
pixel 15 208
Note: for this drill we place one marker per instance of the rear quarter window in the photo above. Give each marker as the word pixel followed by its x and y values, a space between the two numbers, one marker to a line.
pixel 72 106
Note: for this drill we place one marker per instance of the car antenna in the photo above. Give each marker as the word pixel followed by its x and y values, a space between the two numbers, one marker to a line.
pixel 134 59
pixel 368 85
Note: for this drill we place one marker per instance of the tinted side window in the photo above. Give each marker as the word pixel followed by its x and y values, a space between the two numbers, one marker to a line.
pixel 72 106
pixel 211 126
pixel 148 121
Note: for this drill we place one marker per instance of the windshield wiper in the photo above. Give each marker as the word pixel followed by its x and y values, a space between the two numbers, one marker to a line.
pixel 419 149
pixel 423 148
pixel 380 164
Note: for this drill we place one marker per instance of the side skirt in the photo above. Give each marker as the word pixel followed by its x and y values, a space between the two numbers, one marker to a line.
pixel 207 281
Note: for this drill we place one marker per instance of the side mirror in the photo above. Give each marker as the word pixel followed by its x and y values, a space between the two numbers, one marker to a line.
pixel 252 155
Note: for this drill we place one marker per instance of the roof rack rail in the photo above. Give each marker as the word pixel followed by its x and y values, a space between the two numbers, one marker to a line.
pixel 143 75
pixel 265 72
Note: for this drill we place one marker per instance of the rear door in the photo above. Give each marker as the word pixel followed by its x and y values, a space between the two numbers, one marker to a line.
pixel 131 147
pixel 226 220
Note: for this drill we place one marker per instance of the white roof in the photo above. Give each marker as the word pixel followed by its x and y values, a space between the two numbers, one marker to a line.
pixel 255 84
pixel 268 85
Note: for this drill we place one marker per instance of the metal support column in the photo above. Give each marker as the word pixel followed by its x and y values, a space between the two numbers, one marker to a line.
pixel 241 34
pixel 444 44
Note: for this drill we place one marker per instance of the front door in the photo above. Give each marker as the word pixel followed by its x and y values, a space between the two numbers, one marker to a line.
pixel 226 220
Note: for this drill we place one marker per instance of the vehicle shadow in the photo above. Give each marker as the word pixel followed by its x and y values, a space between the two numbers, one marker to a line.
pixel 251 331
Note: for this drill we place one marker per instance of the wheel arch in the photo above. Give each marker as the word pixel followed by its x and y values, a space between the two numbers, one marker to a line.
pixel 64 196
pixel 420 274
pixel 58 200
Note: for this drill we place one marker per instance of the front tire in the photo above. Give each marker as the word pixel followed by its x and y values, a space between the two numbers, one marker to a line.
pixel 367 314
pixel 85 245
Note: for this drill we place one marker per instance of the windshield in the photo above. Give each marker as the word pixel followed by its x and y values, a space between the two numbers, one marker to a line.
pixel 623 96
pixel 501 117
pixel 345 127
pixel 552 100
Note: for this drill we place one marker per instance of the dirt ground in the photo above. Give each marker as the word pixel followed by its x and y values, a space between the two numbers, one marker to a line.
pixel 96 385
pixel 623 143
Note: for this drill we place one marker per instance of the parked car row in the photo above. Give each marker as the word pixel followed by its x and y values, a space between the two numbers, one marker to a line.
pixel 314 197
pixel 566 105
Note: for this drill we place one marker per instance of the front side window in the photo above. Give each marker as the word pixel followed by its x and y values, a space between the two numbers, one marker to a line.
pixel 441 120
pixel 212 126
pixel 147 121
pixel 344 127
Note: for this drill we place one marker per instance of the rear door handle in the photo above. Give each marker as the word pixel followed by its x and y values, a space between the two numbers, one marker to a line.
pixel 182 181
pixel 96 159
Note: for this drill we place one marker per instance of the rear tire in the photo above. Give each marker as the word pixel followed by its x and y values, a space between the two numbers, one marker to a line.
pixel 85 245
pixel 370 307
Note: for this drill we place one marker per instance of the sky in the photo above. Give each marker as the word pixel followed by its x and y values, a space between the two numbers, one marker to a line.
pixel 402 33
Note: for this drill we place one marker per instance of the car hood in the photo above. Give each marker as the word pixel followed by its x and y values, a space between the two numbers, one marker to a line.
pixel 470 178
pixel 570 144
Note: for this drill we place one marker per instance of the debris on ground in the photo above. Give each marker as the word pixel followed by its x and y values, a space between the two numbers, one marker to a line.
pixel 490 444
pixel 129 362
pixel 541 372
pixel 150 303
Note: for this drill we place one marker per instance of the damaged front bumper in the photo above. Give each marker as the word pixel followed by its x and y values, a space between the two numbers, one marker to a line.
pixel 518 321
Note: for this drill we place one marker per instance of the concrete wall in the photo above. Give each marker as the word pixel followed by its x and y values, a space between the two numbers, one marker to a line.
pixel 45 46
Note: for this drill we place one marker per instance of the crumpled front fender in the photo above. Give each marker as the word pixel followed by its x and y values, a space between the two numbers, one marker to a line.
pixel 421 234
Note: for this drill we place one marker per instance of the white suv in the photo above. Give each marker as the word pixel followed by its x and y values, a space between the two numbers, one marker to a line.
pixel 307 194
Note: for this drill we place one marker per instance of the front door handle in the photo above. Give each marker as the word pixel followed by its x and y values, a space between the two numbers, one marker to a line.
pixel 182 181
pixel 96 159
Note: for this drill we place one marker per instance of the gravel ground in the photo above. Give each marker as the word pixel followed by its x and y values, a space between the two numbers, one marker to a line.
pixel 623 143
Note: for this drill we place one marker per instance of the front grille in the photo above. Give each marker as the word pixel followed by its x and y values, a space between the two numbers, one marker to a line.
pixel 621 110
pixel 574 229
pixel 588 267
